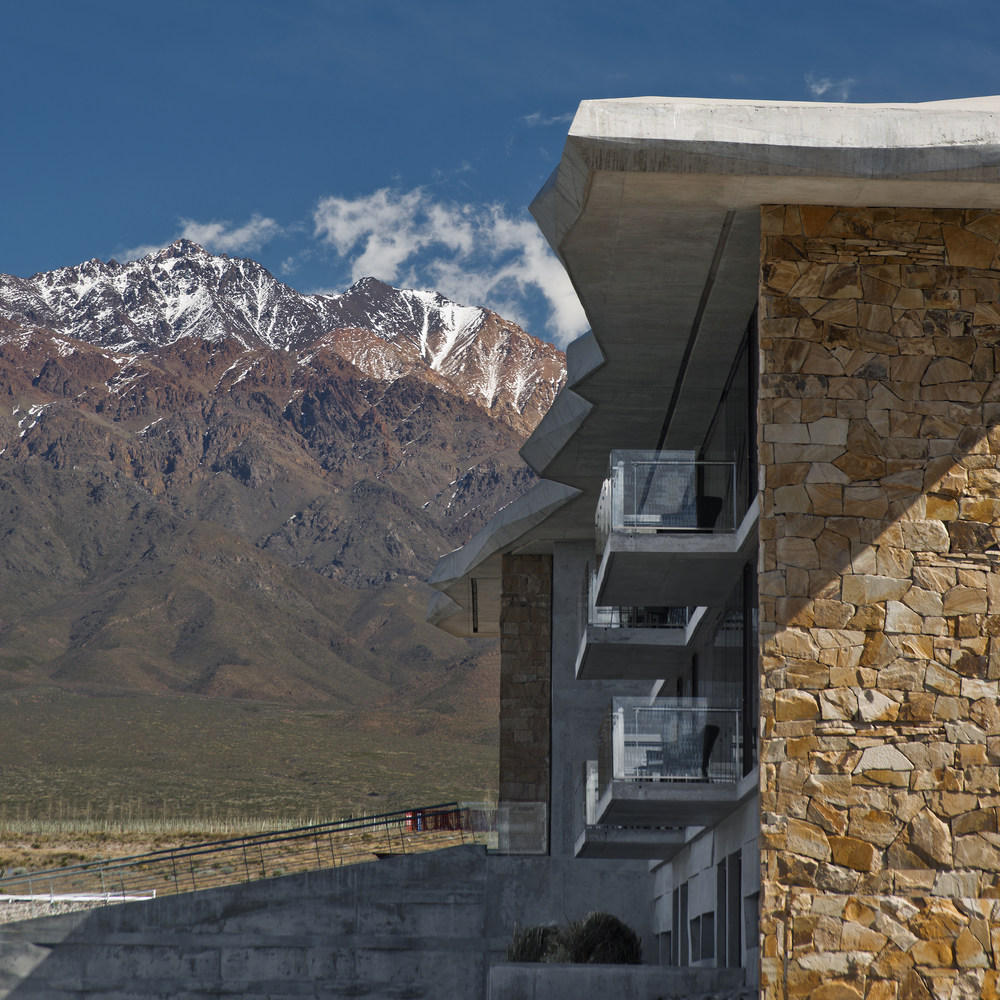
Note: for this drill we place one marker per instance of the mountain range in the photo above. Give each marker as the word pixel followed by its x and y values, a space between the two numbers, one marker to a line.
pixel 215 487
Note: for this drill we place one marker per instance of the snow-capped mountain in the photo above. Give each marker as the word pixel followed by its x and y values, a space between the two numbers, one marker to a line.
pixel 184 291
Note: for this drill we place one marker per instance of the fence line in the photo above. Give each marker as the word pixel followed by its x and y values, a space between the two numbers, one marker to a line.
pixel 255 856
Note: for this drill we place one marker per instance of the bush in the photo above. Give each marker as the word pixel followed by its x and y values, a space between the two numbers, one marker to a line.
pixel 530 944
pixel 597 938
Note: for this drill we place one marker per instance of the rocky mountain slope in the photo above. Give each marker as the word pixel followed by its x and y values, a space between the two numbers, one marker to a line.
pixel 184 291
pixel 213 486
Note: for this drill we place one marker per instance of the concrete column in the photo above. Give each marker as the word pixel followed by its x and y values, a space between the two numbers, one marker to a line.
pixel 880 602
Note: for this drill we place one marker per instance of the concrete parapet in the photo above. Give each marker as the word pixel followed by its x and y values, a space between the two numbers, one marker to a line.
pixel 427 925
pixel 539 981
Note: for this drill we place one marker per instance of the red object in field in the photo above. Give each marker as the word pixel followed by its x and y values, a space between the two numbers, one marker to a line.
pixel 447 821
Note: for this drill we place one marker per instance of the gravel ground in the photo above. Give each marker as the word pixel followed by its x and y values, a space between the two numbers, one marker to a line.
pixel 10 911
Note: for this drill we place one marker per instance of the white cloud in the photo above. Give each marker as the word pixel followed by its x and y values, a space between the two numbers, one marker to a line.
pixel 134 253
pixel 223 237
pixel 218 236
pixel 838 90
pixel 537 118
pixel 473 254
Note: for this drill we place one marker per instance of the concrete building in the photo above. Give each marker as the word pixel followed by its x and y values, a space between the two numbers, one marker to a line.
pixel 749 616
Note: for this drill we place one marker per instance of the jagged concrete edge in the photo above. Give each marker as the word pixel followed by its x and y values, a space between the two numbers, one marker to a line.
pixel 441 607
pixel 583 357
pixel 554 431
pixel 507 525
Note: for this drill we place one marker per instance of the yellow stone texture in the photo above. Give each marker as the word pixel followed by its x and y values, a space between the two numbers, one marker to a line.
pixel 880 417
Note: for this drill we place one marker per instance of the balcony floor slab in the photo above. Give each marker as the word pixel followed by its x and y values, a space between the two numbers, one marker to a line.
pixel 632 653
pixel 671 803
pixel 674 568
pixel 641 653
pixel 624 843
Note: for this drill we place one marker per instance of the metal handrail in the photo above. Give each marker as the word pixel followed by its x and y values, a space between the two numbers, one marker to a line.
pixel 635 616
pixel 666 491
pixel 674 739
pixel 254 856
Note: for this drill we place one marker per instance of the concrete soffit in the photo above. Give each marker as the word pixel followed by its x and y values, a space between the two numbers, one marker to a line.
pixel 479 557
pixel 654 211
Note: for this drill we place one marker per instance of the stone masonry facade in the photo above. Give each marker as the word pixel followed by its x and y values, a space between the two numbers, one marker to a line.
pixel 525 678
pixel 880 603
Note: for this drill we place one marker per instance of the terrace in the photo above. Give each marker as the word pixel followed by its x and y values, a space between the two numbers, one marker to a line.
pixel 672 531
pixel 675 762
pixel 638 642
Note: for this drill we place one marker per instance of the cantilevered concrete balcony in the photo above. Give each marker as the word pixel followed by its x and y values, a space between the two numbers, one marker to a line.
pixel 601 841
pixel 640 642
pixel 671 763
pixel 672 531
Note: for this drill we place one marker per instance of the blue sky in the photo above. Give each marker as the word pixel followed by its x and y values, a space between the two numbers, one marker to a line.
pixel 405 139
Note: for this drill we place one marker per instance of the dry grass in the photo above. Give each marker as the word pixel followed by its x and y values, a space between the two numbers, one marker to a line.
pixel 87 777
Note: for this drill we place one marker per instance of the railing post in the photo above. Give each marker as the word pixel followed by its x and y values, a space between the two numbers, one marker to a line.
pixel 735 502
pixel 618 744
pixel 617 497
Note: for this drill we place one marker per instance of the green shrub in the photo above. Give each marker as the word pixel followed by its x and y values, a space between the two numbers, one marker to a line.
pixel 530 944
pixel 599 938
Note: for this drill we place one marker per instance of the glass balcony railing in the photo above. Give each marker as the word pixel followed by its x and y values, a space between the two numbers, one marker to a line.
pixel 673 739
pixel 666 491
pixel 591 790
pixel 633 616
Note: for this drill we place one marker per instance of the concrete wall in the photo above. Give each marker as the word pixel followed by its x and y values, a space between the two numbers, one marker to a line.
pixel 880 602
pixel 626 982
pixel 696 866
pixel 428 925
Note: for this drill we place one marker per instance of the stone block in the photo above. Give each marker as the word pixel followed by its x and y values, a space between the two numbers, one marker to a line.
pixel 853 853
pixel 867 589
pixel 932 838
pixel 964 600
pixel 900 618
pixel 925 536
pixel 883 758
pixel 876 826
pixel 924 602
pixel 873 706
pixel 795 705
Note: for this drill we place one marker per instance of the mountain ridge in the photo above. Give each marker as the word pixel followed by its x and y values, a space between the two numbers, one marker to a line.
pixel 184 291
pixel 355 455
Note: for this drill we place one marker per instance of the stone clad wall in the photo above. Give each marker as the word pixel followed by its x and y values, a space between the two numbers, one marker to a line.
pixel 525 678
pixel 880 603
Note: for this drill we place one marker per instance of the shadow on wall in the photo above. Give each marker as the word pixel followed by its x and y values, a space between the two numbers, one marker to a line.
pixel 880 598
